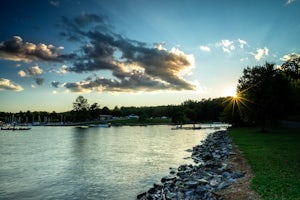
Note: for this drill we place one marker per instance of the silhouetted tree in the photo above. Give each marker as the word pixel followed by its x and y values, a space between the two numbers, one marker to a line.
pixel 264 93
pixel 291 67
pixel 80 109
pixel 105 111
pixel 95 110
pixel 117 112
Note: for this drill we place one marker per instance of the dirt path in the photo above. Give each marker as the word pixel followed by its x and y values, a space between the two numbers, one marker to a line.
pixel 241 189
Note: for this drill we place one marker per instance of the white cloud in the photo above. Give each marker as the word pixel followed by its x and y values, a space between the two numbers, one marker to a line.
pixel 34 71
pixel 289 2
pixel 242 43
pixel 205 48
pixel 290 56
pixel 227 46
pixel 63 69
pixel 60 71
pixel 22 73
pixel 260 53
pixel 6 84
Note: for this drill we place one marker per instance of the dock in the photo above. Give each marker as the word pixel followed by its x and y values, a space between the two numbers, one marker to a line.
pixel 15 128
pixel 202 126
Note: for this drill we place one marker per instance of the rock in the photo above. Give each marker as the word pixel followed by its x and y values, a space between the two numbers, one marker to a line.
pixel 236 175
pixel 223 185
pixel 151 190
pixel 189 194
pixel 203 181
pixel 215 182
pixel 171 195
pixel 226 175
pixel 157 186
pixel 139 196
pixel 191 184
pixel 198 181
pixel 168 178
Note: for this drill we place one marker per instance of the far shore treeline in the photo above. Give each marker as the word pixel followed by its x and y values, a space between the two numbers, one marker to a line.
pixel 266 94
pixel 187 112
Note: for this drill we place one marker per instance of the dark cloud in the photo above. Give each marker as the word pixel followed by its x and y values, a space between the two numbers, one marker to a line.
pixel 55 84
pixel 106 50
pixel 135 81
pixel 134 65
pixel 86 19
pixel 17 50
pixel 39 81
pixel 54 3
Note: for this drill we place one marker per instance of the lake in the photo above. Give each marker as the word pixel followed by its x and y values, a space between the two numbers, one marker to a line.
pixel 94 163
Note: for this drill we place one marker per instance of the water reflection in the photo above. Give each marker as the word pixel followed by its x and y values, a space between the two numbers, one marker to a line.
pixel 95 163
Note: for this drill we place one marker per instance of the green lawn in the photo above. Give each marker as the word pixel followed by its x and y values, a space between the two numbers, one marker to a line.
pixel 275 159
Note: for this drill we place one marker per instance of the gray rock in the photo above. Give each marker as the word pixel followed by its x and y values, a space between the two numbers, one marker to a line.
pixel 215 182
pixel 198 181
pixel 237 174
pixel 168 178
pixel 223 185
pixel 191 184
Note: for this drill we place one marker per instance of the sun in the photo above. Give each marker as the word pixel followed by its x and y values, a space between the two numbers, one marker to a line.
pixel 231 92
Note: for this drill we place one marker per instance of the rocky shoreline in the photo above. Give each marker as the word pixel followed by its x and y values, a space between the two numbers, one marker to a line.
pixel 203 180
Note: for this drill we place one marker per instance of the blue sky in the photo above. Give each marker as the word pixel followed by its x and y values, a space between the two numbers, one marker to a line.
pixel 136 52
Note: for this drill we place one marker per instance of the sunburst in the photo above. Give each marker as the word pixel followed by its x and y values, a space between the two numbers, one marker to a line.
pixel 237 102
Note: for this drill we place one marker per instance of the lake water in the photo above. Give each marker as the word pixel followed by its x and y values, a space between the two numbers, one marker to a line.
pixel 94 163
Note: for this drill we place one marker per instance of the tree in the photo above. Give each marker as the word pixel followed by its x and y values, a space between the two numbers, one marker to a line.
pixel 263 93
pixel 117 112
pixel 95 110
pixel 291 67
pixel 105 111
pixel 80 109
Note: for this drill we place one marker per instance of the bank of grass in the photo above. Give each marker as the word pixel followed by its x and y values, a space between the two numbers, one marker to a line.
pixel 275 159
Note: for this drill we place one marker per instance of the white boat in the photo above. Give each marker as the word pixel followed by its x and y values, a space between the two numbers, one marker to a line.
pixel 107 125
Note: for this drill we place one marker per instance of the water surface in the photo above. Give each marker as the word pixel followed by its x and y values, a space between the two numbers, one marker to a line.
pixel 94 163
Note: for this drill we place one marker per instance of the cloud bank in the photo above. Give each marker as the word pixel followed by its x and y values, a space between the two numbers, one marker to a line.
pixel 134 65
pixel 16 50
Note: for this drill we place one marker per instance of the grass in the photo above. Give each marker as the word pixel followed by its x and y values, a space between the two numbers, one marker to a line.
pixel 275 159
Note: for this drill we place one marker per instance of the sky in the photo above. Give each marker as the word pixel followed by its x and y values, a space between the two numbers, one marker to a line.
pixel 136 52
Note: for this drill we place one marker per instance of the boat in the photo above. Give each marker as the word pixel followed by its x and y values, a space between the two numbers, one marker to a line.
pixel 107 125
pixel 82 127
pixel 15 128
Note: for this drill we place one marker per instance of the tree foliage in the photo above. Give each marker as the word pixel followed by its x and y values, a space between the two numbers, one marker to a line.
pixel 264 94
pixel 291 67
pixel 80 109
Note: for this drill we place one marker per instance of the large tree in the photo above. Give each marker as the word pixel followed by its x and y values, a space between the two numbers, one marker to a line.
pixel 291 67
pixel 264 94
pixel 95 111
pixel 80 109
